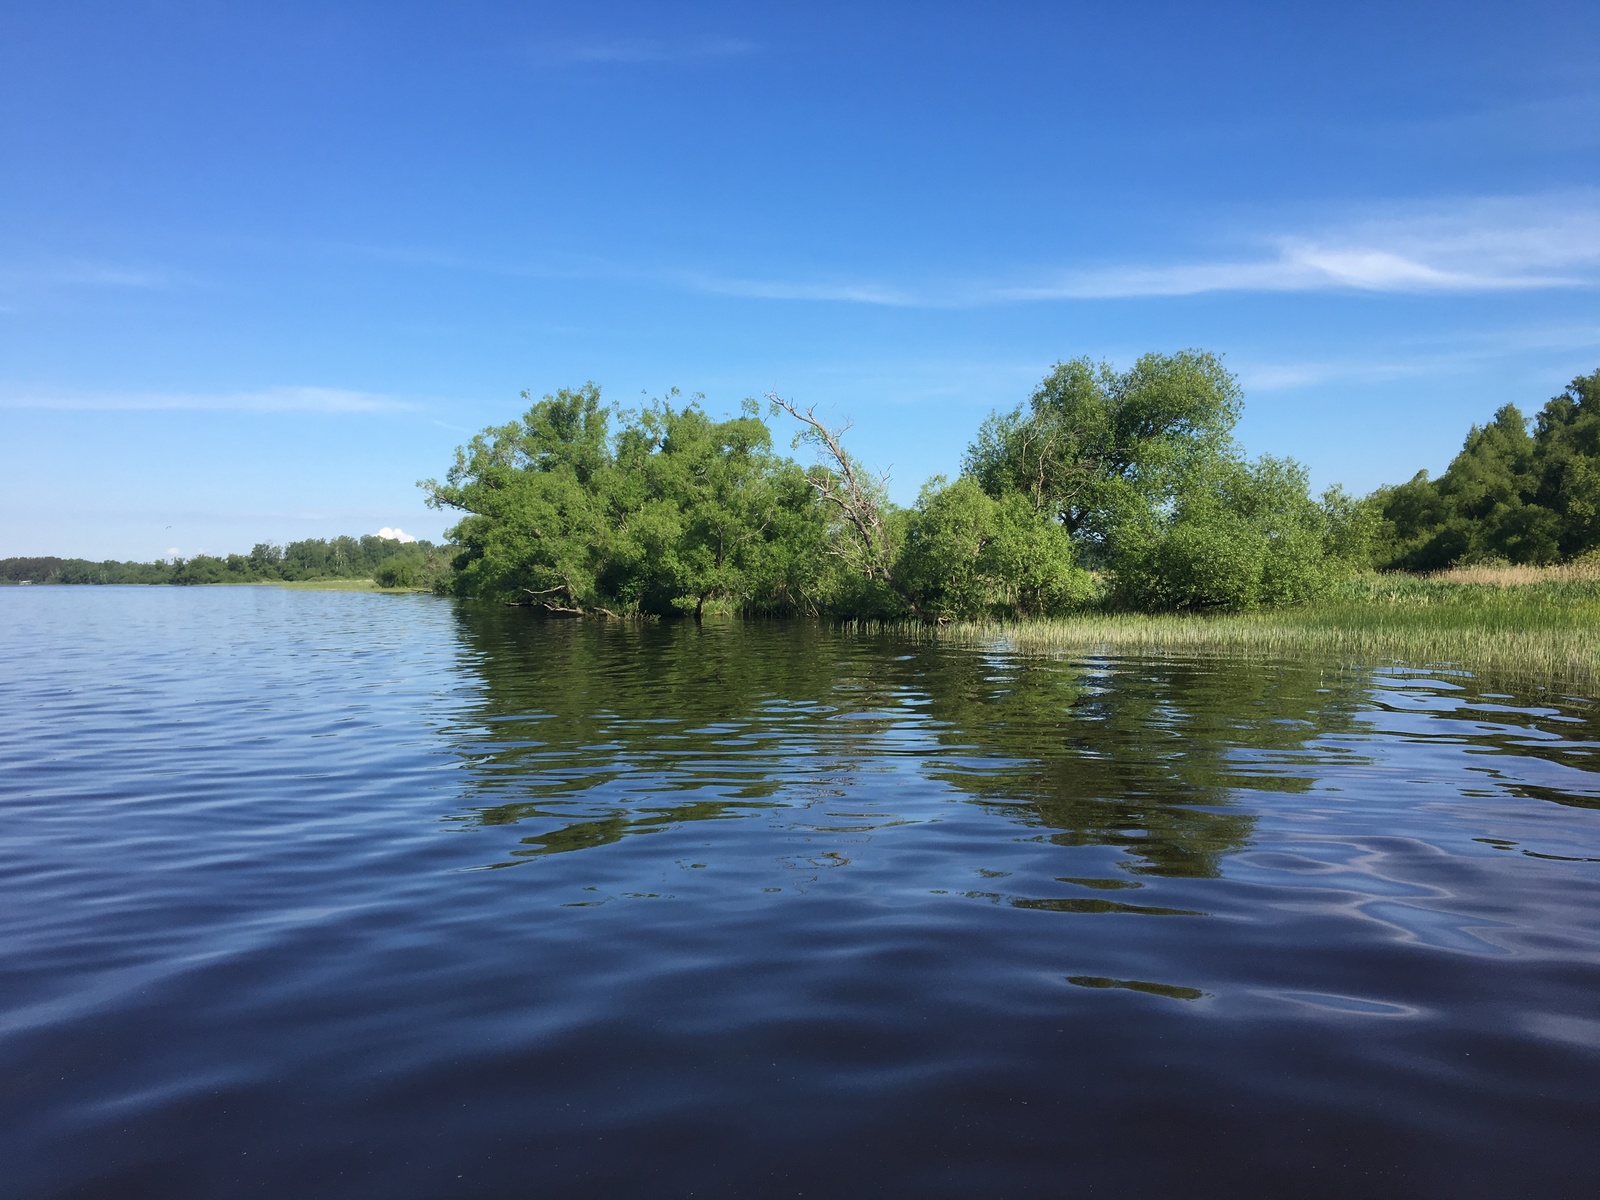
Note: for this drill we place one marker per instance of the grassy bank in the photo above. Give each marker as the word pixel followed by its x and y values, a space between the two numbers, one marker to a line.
pixel 339 585
pixel 1527 623
pixel 324 585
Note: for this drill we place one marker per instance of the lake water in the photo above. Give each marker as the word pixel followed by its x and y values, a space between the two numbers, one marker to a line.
pixel 318 894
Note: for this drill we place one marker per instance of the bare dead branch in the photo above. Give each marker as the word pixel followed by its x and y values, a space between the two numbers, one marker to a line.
pixel 843 485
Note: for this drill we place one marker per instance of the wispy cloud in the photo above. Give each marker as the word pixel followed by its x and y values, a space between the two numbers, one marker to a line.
pixel 1424 359
pixel 1484 245
pixel 280 399
pixel 774 289
pixel 79 272
pixel 1461 246
pixel 647 50
pixel 1472 246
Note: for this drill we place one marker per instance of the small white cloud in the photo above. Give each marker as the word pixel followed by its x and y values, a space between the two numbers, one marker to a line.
pixel 395 535
pixel 172 552
pixel 1478 246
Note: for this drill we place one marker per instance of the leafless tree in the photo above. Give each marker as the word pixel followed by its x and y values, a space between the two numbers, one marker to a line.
pixel 844 484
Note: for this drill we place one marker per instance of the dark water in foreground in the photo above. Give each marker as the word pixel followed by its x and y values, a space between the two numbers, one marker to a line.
pixel 352 895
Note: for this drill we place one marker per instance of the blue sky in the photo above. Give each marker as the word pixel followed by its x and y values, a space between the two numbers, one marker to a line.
pixel 263 266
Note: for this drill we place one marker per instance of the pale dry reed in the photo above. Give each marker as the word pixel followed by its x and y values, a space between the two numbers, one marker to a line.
pixel 1584 570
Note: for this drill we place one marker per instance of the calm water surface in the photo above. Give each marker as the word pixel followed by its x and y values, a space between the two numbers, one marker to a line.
pixel 372 896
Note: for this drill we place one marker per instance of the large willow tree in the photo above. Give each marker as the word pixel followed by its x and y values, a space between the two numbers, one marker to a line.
pixel 670 513
pixel 1141 470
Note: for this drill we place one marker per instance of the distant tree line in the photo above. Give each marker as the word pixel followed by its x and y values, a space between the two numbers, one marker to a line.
pixel 1122 488
pixel 1520 491
pixel 390 562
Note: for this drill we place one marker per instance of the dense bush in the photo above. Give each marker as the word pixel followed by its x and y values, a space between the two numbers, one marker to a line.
pixel 672 512
pixel 1245 535
pixel 967 554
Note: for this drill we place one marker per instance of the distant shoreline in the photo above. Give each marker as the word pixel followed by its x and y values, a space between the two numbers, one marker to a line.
pixel 1528 624
pixel 301 585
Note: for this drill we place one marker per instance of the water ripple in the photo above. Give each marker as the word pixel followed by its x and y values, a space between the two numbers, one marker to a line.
pixel 794 911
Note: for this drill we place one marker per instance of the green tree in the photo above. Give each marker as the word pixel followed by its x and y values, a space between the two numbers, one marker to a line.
pixel 1141 470
pixel 266 559
pixel 966 554
pixel 1567 458
pixel 535 531
pixel 1510 494
pixel 672 513
pixel 1097 447
pixel 709 513
pixel 1239 535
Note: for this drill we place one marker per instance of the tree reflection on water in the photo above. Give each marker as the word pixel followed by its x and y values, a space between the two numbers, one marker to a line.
pixel 587 733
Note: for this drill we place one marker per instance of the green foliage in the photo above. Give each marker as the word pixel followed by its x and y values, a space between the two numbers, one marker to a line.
pixel 578 508
pixel 967 554
pixel 671 513
pixel 1351 527
pixel 1239 535
pixel 1098 448
pixel 1141 471
pixel 1510 495
pixel 412 567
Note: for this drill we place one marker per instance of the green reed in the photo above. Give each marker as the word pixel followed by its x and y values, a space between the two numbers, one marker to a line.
pixel 1537 627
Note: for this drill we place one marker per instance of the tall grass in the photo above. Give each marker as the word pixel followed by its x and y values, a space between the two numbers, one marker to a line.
pixel 1583 570
pixel 1526 623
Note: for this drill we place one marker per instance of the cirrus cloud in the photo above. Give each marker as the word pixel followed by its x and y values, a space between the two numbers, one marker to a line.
pixel 1481 245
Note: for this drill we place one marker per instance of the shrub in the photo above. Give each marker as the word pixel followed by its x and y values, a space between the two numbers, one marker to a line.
pixel 1240 536
pixel 400 571
pixel 968 554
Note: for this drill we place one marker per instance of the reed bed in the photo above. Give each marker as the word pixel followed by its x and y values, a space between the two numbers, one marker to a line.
pixel 1584 570
pixel 1533 625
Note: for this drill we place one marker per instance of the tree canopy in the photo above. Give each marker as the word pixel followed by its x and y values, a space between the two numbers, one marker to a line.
pixel 1141 470
pixel 580 508
pixel 672 511
pixel 1097 447
pixel 1514 493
